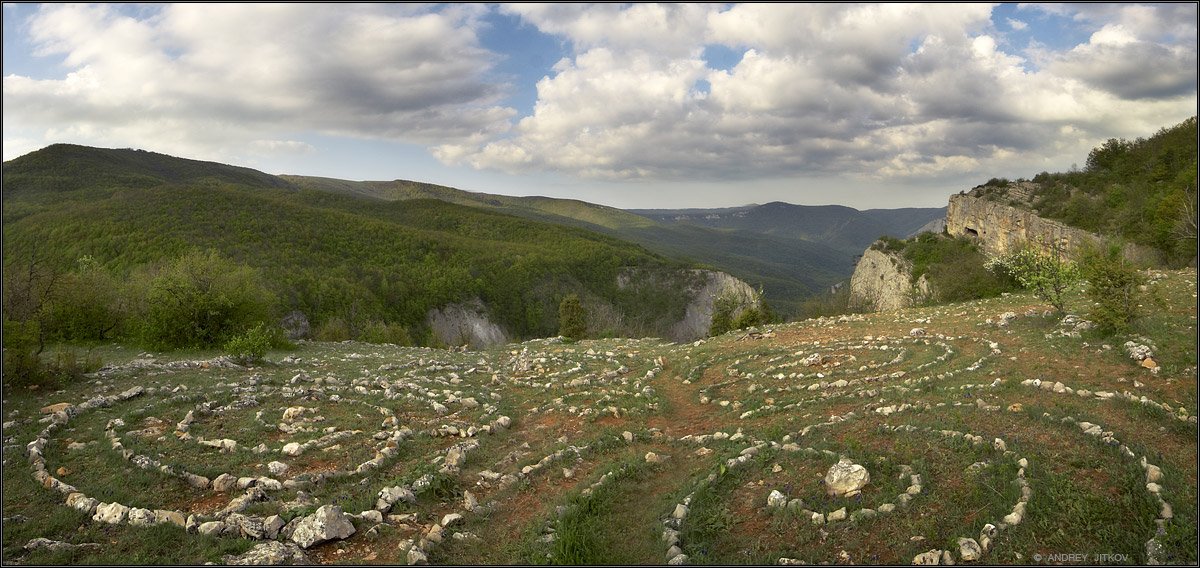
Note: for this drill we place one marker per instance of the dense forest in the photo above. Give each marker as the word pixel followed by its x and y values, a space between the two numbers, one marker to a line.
pixel 339 259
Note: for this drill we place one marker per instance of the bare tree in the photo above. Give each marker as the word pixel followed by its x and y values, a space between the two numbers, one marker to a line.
pixel 27 291
pixel 1185 226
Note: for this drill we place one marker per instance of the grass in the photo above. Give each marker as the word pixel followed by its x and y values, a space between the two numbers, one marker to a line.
pixel 1087 497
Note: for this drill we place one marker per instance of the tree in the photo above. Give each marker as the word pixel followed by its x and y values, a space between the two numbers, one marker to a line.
pixel 202 300
pixel 572 318
pixel 1114 288
pixel 1045 272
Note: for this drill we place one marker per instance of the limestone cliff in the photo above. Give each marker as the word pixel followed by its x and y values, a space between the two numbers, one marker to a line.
pixel 1002 221
pixel 697 319
pixel 702 288
pixel 882 282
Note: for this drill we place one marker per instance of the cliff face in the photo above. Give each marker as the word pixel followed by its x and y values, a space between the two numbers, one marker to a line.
pixel 1001 228
pixel 470 323
pixel 711 285
pixel 882 282
pixel 702 288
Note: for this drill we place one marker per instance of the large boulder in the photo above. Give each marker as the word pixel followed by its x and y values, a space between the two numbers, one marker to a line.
pixel 327 523
pixel 846 478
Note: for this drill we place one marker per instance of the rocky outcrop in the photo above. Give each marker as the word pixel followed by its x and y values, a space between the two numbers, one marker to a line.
pixel 882 282
pixel 702 288
pixel 1002 228
pixel 711 286
pixel 465 324
pixel 998 219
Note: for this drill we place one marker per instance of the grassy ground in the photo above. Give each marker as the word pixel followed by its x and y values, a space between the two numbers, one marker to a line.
pixel 860 386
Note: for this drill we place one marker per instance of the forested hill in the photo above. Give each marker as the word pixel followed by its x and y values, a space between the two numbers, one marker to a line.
pixel 332 256
pixel 789 269
pixel 66 167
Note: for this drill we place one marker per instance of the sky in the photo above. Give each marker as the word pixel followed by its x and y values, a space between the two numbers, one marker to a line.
pixel 634 106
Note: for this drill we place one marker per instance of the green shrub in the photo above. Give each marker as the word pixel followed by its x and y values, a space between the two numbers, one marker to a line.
pixel 332 329
pixel 86 305
pixel 572 318
pixel 202 300
pixel 1046 273
pixel 25 366
pixel 254 343
pixel 1113 288
pixel 379 332
pixel 21 364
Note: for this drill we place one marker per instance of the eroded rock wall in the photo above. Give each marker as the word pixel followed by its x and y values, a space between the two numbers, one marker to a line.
pixel 882 282
pixel 697 319
pixel 1001 228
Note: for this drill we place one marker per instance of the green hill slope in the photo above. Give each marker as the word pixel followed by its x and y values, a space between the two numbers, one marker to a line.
pixel 788 269
pixel 327 254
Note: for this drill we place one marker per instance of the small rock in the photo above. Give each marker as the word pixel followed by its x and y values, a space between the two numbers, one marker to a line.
pixel 211 528
pixel 776 500
pixel 931 558
pixel 277 468
pixel 838 515
pixel 968 549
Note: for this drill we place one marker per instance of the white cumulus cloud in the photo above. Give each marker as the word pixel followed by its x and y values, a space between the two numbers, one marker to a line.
pixel 207 79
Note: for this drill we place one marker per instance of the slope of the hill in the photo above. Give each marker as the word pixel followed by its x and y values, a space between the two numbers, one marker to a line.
pixel 988 432
pixel 788 269
pixel 326 254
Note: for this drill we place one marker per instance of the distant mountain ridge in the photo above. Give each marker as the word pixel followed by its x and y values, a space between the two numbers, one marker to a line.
pixel 843 228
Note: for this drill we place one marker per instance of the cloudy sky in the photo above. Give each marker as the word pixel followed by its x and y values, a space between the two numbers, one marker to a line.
pixel 633 106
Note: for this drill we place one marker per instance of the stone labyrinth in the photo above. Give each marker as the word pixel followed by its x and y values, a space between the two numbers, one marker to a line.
pixel 905 438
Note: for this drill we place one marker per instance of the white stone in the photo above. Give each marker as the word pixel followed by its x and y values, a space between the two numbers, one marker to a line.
pixel 969 550
pixel 292 449
pixel 112 513
pixel 931 558
pixel 327 523
pixel 277 468
pixel 838 515
pixel 845 477
pixel 776 500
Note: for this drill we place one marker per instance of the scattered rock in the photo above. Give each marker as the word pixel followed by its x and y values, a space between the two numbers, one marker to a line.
pixel 327 523
pixel 969 550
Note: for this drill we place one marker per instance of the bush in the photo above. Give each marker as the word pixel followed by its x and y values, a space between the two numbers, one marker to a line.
pixel 21 364
pixel 572 319
pixel 24 366
pixel 379 332
pixel 1113 288
pixel 254 343
pixel 203 300
pixel 86 305
pixel 332 329
pixel 1046 273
